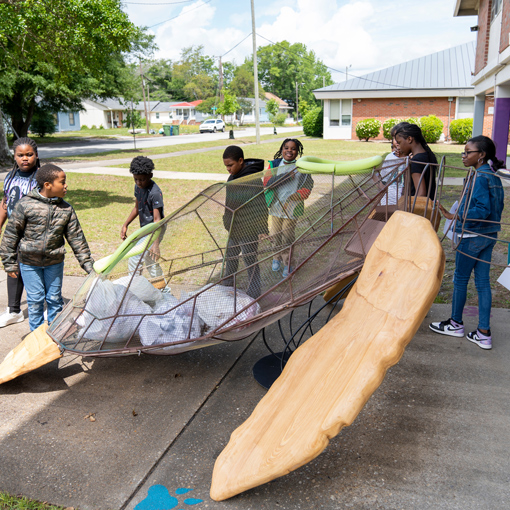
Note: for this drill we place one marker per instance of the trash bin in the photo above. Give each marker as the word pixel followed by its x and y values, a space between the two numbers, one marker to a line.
pixel 176 130
pixel 171 130
pixel 167 129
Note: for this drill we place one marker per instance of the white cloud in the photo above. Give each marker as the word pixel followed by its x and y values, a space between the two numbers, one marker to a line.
pixel 367 34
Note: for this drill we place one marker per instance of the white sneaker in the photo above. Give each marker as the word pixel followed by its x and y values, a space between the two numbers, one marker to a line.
pixel 10 318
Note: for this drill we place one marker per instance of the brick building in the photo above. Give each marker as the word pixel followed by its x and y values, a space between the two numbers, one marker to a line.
pixel 491 80
pixel 438 84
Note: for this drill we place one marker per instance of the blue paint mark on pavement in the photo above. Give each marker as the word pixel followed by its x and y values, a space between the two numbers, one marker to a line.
pixel 158 498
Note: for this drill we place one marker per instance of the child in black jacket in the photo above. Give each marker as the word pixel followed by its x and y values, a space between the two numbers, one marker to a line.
pixel 245 215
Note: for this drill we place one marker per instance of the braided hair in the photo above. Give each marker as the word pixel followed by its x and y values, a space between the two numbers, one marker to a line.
pixel 485 144
pixel 406 130
pixel 299 146
pixel 25 141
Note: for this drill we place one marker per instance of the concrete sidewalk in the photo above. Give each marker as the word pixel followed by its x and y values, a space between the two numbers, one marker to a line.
pixel 436 434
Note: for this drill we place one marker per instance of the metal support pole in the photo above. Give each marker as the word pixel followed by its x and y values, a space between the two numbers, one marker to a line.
pixel 255 74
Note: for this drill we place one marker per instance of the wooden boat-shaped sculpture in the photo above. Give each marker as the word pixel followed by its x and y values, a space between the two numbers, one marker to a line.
pixel 174 286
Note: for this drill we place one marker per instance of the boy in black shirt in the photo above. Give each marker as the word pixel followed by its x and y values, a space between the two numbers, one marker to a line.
pixel 245 215
pixel 149 207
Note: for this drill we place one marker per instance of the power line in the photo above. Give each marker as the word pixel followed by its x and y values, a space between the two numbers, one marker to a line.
pixel 338 70
pixel 182 14
pixel 236 45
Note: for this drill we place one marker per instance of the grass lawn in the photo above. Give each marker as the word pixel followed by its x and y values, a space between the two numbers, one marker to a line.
pixel 339 150
pixel 8 502
pixel 168 149
pixel 103 204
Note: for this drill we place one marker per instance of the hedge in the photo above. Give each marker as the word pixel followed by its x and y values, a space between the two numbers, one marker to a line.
pixel 368 128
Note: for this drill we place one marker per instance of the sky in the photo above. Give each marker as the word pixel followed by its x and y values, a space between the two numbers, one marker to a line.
pixel 364 35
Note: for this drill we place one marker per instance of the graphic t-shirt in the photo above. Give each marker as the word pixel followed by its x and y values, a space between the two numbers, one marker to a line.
pixel 149 198
pixel 17 184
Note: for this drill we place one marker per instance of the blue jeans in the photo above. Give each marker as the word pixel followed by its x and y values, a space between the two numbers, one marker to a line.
pixel 481 248
pixel 43 283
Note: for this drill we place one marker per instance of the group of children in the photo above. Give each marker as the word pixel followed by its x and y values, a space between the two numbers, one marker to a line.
pixel 40 220
pixel 32 248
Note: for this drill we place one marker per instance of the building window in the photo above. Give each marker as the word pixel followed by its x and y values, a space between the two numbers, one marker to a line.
pixel 339 112
pixel 495 8
pixel 71 119
pixel 157 115
pixel 465 107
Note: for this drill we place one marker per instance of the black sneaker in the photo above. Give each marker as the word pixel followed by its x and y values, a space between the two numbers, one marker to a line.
pixel 483 341
pixel 447 328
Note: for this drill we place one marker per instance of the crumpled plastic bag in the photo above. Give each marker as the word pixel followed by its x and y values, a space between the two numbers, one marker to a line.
pixel 173 326
pixel 103 301
pixel 216 305
pixel 141 288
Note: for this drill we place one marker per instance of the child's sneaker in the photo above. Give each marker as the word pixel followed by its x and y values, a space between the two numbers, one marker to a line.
pixel 286 271
pixel 276 265
pixel 449 327
pixel 480 339
pixel 9 317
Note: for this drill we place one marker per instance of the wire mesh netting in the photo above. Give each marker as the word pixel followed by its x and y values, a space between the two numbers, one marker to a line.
pixel 216 269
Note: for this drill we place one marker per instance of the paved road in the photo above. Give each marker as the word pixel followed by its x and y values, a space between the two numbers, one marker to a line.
pixel 90 146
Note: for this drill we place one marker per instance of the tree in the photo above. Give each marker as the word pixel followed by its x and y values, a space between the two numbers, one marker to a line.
pixel 55 53
pixel 195 76
pixel 159 75
pixel 43 123
pixel 206 106
pixel 282 65
pixel 243 84
pixel 229 105
pixel 272 107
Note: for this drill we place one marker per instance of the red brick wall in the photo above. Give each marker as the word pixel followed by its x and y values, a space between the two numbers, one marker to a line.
pixel 504 40
pixel 401 108
pixel 482 43
pixel 488 119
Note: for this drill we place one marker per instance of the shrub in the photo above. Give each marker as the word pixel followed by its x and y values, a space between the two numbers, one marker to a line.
pixel 42 123
pixel 279 119
pixel 461 130
pixel 101 126
pixel 432 128
pixel 93 126
pixel 412 120
pixel 313 122
pixel 84 127
pixel 387 125
pixel 368 128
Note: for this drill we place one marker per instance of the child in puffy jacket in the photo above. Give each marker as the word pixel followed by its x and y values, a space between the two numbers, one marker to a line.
pixel 33 243
pixel 286 191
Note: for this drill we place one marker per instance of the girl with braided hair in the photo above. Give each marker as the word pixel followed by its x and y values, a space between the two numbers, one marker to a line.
pixel 18 183
pixel 410 140
pixel 286 191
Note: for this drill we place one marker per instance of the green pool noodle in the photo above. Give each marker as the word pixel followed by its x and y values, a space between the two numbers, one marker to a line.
pixel 314 165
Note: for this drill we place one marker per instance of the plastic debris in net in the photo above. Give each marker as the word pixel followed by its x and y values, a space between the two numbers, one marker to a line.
pixel 234 259
pixel 112 312
pixel 217 304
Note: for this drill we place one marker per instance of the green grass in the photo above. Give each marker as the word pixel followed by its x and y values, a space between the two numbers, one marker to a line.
pixel 8 502
pixel 103 202
pixel 169 149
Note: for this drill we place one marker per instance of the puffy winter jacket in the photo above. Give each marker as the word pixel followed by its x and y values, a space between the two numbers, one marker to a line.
pixel 35 234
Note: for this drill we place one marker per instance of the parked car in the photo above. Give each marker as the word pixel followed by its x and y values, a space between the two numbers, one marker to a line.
pixel 212 125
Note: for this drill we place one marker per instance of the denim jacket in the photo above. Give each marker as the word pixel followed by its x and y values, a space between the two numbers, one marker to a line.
pixel 486 203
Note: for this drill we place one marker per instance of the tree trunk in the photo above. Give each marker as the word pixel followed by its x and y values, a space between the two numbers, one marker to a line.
pixel 5 154
pixel 19 124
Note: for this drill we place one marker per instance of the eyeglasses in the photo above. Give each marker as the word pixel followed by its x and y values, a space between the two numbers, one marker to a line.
pixel 467 153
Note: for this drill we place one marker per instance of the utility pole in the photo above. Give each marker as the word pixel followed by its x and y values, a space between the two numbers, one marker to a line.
pixel 144 102
pixel 255 74
pixel 297 102
pixel 221 80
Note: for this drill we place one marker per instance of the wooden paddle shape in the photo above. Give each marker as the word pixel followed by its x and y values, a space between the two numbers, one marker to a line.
pixel 328 380
pixel 36 350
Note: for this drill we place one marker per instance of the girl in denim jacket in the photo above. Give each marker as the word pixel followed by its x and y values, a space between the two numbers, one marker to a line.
pixel 484 201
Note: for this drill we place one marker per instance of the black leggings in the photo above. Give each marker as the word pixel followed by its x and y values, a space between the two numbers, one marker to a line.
pixel 14 291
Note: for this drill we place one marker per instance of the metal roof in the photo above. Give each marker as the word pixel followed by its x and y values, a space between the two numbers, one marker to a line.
pixel 447 69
